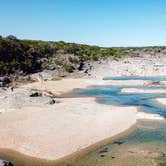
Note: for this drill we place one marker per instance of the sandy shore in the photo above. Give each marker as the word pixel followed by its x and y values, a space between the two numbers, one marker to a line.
pixel 162 100
pixel 55 131
pixel 148 116
pixel 66 85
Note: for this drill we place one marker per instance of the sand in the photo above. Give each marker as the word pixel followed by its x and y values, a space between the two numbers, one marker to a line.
pixel 55 131
pixel 65 85
pixel 148 116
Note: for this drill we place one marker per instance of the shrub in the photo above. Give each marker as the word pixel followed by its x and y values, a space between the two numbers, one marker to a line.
pixel 68 67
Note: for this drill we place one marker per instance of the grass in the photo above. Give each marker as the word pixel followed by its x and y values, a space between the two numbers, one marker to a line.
pixel 56 79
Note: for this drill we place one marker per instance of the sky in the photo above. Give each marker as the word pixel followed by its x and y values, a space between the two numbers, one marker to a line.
pixel 96 22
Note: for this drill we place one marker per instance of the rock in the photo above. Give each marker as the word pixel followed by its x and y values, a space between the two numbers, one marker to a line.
pixel 90 67
pixel 156 83
pixel 86 71
pixel 35 94
pixel 81 65
pixel 4 81
pixel 5 163
pixel 118 142
pixel 52 101
pixel 102 155
pixel 105 150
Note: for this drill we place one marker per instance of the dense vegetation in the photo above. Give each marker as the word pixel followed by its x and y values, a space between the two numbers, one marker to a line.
pixel 27 56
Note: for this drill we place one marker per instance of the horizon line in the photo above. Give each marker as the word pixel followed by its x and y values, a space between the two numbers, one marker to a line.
pixel 89 44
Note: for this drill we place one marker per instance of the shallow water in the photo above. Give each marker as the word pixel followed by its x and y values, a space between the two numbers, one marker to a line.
pixel 146 144
pixel 113 95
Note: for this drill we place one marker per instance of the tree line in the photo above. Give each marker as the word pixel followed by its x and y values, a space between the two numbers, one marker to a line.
pixel 30 56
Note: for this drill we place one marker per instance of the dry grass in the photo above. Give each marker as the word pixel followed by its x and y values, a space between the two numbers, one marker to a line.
pixel 56 79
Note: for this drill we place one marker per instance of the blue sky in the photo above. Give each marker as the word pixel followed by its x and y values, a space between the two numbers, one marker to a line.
pixel 96 22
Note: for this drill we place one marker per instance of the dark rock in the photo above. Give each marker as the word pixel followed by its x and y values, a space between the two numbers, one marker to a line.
pixel 86 71
pixel 90 67
pixel 102 155
pixel 12 88
pixel 156 83
pixel 162 155
pixel 35 94
pixel 81 65
pixel 118 142
pixel 105 150
pixel 52 101
pixel 5 163
pixel 131 151
pixel 4 81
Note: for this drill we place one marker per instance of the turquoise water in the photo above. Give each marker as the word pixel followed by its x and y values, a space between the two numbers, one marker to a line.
pixel 113 95
pixel 145 145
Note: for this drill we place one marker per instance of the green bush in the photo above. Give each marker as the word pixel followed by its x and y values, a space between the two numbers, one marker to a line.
pixel 68 67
